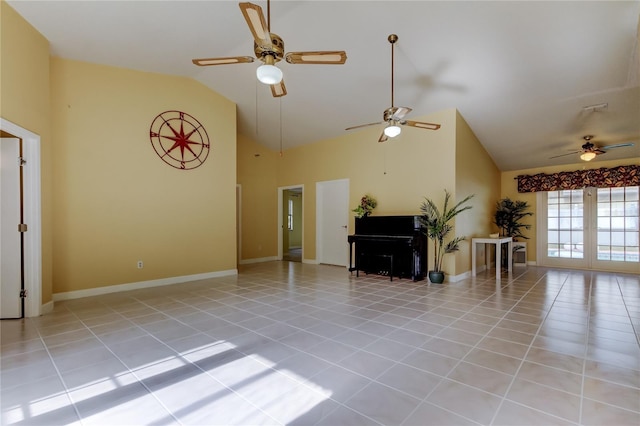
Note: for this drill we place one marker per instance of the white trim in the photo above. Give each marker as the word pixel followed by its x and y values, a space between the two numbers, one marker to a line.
pixel 142 284
pixel 258 260
pixel 312 261
pixel 32 217
pixel 46 308
pixel 455 278
pixel 239 222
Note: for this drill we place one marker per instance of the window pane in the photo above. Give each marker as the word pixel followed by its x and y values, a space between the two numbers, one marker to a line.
pixel 617 238
pixel 603 195
pixel 565 223
pixel 617 209
pixel 603 253
pixel 576 223
pixel 617 194
pixel 604 223
pixel 631 193
pixel 617 223
pixel 576 196
pixel 604 238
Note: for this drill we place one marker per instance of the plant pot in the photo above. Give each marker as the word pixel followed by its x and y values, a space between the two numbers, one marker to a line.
pixel 436 277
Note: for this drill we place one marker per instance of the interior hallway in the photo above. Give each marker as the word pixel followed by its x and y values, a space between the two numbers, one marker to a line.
pixel 294 343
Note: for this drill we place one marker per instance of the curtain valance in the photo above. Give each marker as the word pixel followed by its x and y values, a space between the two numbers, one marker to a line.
pixel 597 178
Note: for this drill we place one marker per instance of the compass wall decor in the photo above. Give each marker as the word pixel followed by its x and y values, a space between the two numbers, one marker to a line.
pixel 179 139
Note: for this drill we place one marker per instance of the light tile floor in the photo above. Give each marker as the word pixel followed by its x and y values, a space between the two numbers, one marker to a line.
pixel 292 343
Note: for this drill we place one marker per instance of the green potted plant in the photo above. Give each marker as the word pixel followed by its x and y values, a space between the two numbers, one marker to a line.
pixel 366 206
pixel 508 217
pixel 437 227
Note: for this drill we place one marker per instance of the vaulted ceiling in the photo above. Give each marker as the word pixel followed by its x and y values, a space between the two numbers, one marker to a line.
pixel 530 77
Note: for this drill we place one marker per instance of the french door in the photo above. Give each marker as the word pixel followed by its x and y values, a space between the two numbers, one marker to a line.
pixel 591 228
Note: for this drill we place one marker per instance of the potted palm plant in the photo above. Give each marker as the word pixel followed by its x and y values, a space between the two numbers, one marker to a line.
pixel 437 227
pixel 508 217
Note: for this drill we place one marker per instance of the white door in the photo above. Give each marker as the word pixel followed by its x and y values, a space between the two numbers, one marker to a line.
pixel 591 229
pixel 10 246
pixel 332 218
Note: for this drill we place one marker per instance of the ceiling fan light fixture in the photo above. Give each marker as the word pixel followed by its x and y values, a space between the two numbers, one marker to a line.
pixel 588 156
pixel 392 130
pixel 269 74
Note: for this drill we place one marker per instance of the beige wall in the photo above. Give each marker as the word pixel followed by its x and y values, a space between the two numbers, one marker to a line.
pixel 259 205
pixel 509 188
pixel 476 174
pixel 399 173
pixel 25 101
pixel 116 202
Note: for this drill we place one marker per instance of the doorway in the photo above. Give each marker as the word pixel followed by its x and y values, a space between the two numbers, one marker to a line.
pixel 32 238
pixel 591 228
pixel 291 223
pixel 332 218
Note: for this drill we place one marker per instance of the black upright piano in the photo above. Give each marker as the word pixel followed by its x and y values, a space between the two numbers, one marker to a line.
pixel 389 245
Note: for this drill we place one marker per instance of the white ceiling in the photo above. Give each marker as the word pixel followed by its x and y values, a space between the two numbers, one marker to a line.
pixel 519 72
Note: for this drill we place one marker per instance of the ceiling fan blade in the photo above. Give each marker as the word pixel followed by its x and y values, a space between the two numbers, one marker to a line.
pixel 383 137
pixel 278 90
pixel 564 155
pixel 619 145
pixel 421 125
pixel 203 62
pixel 327 57
pixel 398 113
pixel 364 125
pixel 255 19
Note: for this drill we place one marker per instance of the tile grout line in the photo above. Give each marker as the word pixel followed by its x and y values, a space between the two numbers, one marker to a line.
pixel 527 352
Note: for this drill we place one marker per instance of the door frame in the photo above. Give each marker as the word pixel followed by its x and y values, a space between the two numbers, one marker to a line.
pixel 281 190
pixel 238 224
pixel 32 216
pixel 590 261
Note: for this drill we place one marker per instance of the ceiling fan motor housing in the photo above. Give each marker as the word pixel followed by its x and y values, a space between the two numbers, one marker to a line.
pixel 276 50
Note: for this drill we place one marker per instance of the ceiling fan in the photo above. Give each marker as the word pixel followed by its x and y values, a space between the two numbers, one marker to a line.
pixel 269 48
pixel 589 151
pixel 394 116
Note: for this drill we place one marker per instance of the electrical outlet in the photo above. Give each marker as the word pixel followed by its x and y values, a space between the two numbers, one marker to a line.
pixel 140 264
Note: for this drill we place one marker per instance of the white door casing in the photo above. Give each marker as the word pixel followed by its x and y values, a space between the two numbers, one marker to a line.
pixel 281 223
pixel 32 216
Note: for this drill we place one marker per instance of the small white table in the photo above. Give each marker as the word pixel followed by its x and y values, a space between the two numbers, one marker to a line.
pixel 498 243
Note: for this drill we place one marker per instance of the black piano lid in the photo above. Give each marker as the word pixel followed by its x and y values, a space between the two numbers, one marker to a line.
pixel 387 225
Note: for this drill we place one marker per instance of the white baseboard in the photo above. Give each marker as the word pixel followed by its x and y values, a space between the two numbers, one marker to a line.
pixel 138 285
pixel 456 278
pixel 258 260
pixel 46 308
pixel 310 261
